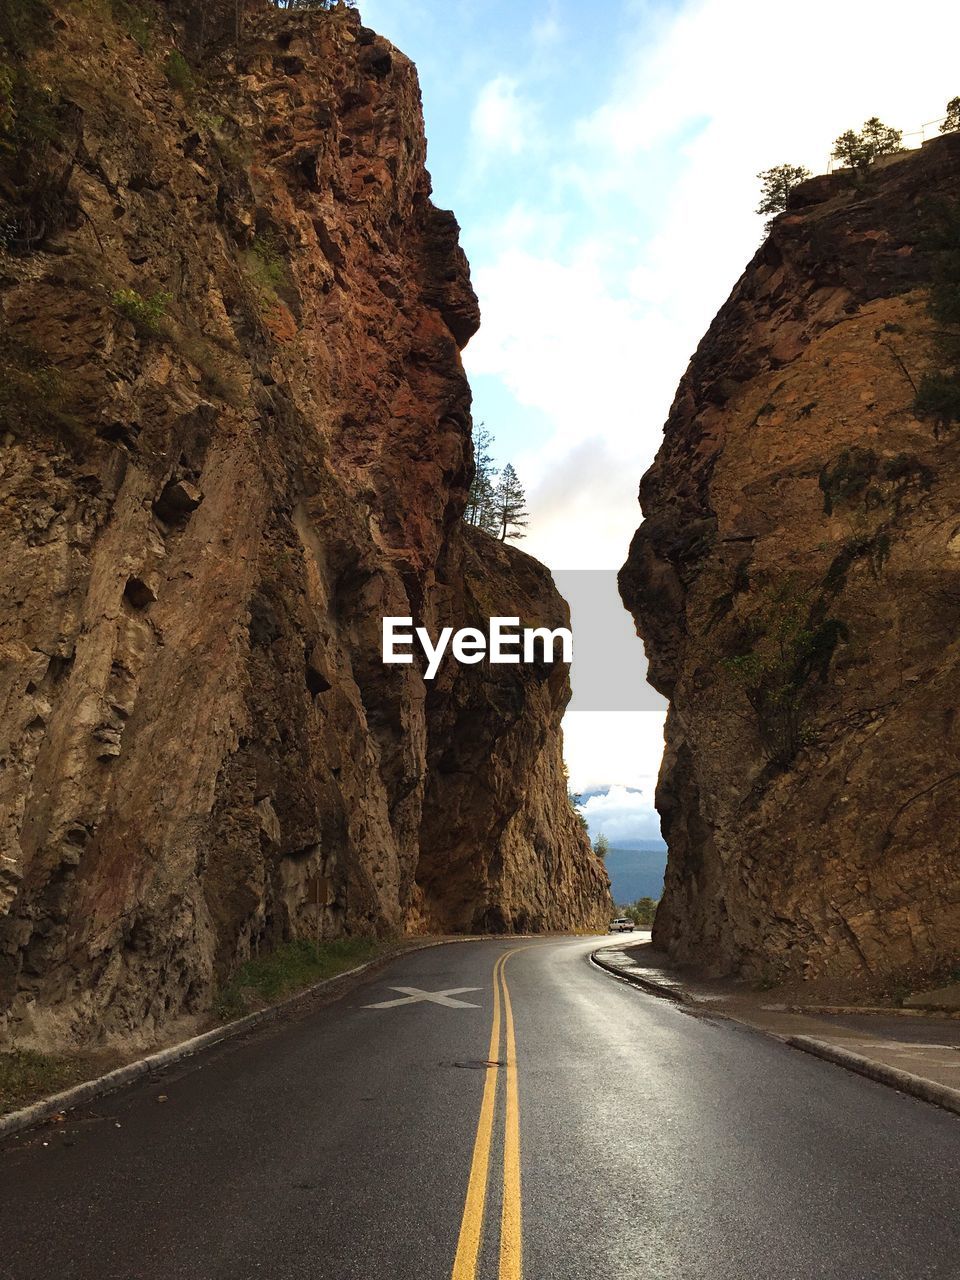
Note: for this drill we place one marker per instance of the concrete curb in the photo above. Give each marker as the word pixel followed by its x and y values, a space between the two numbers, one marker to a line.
pixel 653 988
pixel 926 1090
pixel 16 1121
pixel 939 1095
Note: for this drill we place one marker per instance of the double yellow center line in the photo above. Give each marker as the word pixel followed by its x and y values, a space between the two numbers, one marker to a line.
pixel 511 1221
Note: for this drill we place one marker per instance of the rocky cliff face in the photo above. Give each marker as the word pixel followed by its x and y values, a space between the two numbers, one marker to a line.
pixel 796 585
pixel 236 434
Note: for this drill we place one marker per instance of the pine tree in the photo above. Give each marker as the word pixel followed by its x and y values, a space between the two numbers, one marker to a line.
pixel 952 121
pixel 510 505
pixel 479 510
pixel 777 185
pixel 859 150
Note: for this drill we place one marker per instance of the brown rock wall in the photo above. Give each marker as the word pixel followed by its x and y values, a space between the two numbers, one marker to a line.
pixel 206 508
pixel 795 581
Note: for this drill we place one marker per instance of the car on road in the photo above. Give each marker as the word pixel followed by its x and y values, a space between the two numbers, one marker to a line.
pixel 622 924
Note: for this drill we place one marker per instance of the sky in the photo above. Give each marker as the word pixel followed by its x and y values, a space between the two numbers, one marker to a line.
pixel 601 158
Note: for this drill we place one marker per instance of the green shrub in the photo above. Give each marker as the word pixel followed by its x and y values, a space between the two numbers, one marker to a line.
pixel 178 73
pixel 145 313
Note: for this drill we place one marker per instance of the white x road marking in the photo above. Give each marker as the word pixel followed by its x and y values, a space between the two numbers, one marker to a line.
pixel 413 995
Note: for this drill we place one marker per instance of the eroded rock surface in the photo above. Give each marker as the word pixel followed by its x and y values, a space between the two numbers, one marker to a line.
pixel 236 434
pixel 796 585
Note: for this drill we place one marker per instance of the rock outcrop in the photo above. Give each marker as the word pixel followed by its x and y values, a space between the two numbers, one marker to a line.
pixel 236 434
pixel 796 584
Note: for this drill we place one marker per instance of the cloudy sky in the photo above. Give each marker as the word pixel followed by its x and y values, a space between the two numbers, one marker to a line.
pixel 601 158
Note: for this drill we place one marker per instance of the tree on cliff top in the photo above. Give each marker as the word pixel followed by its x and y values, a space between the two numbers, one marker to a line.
pixel 778 182
pixel 953 116
pixel 479 510
pixel 509 503
pixel 859 150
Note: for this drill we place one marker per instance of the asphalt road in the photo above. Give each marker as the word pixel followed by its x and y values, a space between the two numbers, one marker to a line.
pixel 617 1137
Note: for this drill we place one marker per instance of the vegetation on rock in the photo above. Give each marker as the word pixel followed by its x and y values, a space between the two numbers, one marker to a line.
pixel 496 502
pixel 790 644
pixel 778 182
pixel 144 313
pixel 875 139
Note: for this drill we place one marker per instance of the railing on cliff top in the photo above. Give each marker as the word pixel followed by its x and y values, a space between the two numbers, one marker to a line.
pixel 931 129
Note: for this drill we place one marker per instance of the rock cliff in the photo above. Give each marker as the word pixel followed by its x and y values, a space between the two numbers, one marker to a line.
pixel 796 584
pixel 236 432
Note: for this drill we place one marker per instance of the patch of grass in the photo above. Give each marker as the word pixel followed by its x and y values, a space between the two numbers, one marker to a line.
pixel 291 967
pixel 26 1075
pixel 144 313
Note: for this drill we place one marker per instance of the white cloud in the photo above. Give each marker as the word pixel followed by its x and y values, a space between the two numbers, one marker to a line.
pixel 547 29
pixel 593 327
pixel 502 120
pixel 646 225
pixel 621 814
pixel 606 748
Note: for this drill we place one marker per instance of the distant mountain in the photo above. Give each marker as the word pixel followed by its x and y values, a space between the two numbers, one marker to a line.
pixel 636 869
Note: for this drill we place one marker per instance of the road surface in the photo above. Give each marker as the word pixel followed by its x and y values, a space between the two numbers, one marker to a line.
pixel 616 1137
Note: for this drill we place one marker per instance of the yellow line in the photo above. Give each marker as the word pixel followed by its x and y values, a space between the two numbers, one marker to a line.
pixel 511 1220
pixel 471 1226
